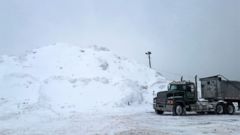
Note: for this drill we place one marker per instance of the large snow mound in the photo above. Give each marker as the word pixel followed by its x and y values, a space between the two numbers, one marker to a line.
pixel 62 76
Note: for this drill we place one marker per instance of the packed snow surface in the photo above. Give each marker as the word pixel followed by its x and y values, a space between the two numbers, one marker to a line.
pixel 69 78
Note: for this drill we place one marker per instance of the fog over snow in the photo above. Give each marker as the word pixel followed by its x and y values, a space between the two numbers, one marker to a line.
pixel 78 67
pixel 186 37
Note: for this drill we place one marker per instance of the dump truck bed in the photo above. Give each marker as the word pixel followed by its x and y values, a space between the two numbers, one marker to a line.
pixel 230 90
pixel 216 88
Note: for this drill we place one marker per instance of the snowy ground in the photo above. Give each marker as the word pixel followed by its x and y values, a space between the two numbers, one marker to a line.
pixel 124 122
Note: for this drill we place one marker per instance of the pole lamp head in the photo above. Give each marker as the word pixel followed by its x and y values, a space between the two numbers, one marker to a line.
pixel 148 53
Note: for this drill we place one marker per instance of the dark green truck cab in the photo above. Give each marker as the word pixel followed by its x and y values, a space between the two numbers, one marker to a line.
pixel 176 99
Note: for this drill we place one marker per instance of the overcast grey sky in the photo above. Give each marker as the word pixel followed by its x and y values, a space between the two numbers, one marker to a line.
pixel 186 37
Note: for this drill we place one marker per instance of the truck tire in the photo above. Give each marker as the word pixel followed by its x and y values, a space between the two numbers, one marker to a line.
pixel 230 109
pixel 158 112
pixel 178 110
pixel 219 108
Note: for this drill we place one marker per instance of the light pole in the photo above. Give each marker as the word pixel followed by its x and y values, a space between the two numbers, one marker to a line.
pixel 149 58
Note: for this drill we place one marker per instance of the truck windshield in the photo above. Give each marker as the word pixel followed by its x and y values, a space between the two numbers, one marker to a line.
pixel 175 87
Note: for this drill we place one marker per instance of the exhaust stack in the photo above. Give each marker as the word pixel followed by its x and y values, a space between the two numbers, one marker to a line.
pixel 181 78
pixel 196 87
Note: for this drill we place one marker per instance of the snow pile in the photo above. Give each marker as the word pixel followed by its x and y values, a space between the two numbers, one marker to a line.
pixel 71 78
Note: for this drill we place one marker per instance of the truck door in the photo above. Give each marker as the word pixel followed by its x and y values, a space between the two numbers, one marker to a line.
pixel 190 93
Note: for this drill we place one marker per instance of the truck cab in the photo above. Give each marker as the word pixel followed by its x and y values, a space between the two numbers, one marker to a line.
pixel 177 98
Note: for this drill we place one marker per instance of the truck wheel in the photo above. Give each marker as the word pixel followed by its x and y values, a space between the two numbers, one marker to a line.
pixel 219 109
pixel 158 112
pixel 178 110
pixel 230 109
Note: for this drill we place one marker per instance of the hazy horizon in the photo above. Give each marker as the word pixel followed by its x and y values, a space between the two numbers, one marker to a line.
pixel 185 37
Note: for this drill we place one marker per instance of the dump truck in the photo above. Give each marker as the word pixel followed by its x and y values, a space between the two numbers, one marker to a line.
pixel 218 95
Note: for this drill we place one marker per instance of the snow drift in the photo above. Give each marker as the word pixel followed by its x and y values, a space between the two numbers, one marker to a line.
pixel 69 77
